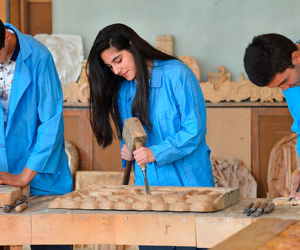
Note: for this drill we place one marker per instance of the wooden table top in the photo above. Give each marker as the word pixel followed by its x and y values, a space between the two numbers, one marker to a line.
pixel 40 225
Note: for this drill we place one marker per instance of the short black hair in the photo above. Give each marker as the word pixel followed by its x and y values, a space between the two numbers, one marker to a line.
pixel 2 34
pixel 267 55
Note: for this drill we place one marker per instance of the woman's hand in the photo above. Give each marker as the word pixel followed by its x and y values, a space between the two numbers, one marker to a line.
pixel 125 153
pixel 143 155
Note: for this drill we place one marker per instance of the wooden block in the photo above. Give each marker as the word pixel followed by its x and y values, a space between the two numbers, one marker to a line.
pixel 9 194
pixel 86 178
pixel 15 229
pixel 81 228
pixel 155 229
pixel 255 236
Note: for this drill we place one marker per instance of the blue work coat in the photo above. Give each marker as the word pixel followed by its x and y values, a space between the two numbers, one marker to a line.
pixel 178 116
pixel 34 133
pixel 292 96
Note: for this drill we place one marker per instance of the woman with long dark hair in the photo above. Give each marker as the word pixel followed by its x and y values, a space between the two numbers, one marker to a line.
pixel 130 78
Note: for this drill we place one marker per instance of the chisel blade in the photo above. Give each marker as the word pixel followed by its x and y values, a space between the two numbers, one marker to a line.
pixel 147 186
pixel 146 181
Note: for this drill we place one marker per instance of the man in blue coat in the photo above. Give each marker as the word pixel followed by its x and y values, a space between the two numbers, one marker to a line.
pixel 273 60
pixel 31 119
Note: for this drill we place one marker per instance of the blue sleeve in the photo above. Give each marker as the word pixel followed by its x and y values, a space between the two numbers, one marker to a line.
pixel 50 130
pixel 191 106
pixel 292 96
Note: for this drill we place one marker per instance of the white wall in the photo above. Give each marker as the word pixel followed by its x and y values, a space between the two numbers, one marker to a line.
pixel 214 32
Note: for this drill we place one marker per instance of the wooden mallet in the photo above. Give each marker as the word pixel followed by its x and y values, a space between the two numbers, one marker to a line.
pixel 134 136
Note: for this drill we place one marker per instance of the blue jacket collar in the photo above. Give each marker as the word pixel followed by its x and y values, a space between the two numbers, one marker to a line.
pixel 25 48
pixel 155 81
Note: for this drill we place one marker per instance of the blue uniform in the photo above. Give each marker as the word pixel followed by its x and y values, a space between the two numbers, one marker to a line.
pixel 34 132
pixel 292 96
pixel 177 113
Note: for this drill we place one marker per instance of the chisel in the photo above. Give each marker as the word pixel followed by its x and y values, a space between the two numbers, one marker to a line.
pixel 144 170
pixel 253 209
pixel 260 210
pixel 270 208
pixel 21 207
pixel 247 208
pixel 7 208
pixel 289 199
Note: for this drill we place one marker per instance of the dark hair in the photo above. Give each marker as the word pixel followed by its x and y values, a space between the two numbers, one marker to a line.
pixel 2 34
pixel 104 84
pixel 266 56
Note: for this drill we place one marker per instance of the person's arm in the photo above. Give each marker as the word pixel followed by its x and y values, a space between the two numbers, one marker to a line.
pixel 49 142
pixel 19 180
pixel 191 106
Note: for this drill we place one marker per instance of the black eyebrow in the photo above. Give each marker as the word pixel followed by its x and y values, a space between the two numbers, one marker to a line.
pixel 283 81
pixel 115 58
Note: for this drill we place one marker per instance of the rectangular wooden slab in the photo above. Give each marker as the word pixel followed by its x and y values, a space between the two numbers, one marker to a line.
pixel 9 194
pixel 162 198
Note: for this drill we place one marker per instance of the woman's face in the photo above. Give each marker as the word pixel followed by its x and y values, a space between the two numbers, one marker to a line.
pixel 120 62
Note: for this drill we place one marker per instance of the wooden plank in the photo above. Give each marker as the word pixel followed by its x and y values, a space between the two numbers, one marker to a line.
pixel 221 227
pixel 78 131
pixel 254 236
pixel 72 229
pixel 15 229
pixel 155 229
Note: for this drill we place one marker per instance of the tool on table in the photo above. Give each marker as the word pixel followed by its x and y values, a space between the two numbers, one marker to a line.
pixel 261 209
pixel 247 208
pixel 289 199
pixel 21 207
pixel 269 208
pixel 134 136
pixel 254 208
pixel 7 208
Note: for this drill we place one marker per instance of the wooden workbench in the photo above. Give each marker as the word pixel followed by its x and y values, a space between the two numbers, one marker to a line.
pixel 40 225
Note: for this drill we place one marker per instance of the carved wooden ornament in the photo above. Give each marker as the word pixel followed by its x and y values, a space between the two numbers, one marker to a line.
pixel 283 165
pixel 234 174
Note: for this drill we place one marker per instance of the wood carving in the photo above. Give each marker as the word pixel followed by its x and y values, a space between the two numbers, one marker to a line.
pixel 216 78
pixel 192 64
pixel 72 157
pixel 165 44
pixel 174 198
pixel 283 165
pixel 281 201
pixel 234 174
pixel 240 91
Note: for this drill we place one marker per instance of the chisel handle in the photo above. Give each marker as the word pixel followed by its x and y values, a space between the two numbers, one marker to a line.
pixel 21 207
pixel 263 206
pixel 7 208
pixel 247 208
pixel 256 206
pixel 270 208
pixel 22 199
pixel 137 146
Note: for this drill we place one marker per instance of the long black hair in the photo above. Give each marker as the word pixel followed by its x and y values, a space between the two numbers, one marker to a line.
pixel 104 84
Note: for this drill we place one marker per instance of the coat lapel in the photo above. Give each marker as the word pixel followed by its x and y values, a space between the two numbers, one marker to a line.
pixel 22 77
